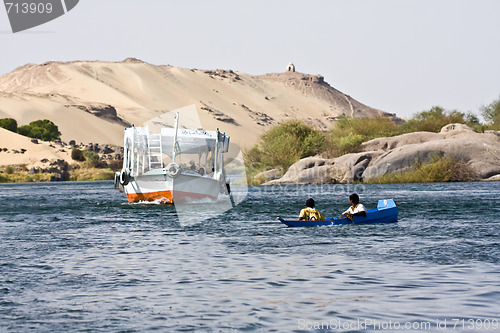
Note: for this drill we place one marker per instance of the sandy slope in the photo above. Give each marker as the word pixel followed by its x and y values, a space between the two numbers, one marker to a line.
pixel 242 105
pixel 73 123
pixel 34 152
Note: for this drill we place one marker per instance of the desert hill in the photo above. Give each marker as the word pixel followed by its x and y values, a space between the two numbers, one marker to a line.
pixel 92 101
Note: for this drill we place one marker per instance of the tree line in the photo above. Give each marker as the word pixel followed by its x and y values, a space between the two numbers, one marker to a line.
pixel 44 130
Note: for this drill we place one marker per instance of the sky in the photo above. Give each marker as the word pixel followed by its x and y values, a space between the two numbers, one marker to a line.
pixel 399 56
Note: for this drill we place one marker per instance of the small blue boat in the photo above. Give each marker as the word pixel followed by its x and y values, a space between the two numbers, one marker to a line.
pixel 386 212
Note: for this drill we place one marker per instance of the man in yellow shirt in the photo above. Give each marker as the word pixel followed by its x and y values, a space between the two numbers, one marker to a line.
pixel 309 213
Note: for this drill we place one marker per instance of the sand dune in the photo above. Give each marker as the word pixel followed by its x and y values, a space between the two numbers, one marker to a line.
pixel 73 95
pixel 32 155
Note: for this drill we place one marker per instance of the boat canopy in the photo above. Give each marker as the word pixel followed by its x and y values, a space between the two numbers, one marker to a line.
pixel 193 141
pixel 189 141
pixel 144 150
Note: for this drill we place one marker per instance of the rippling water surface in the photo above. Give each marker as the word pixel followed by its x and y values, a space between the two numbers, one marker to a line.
pixel 77 257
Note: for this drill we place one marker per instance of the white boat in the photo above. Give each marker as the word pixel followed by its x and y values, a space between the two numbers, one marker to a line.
pixel 154 167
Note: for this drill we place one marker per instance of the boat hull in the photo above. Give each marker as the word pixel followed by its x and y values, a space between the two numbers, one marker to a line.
pixel 386 212
pixel 163 189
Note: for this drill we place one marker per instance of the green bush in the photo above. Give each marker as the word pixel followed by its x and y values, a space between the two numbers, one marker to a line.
pixel 9 170
pixel 348 134
pixel 91 158
pixel 337 146
pixel 434 119
pixel 439 169
pixel 40 129
pixel 25 130
pixel 491 113
pixel 351 142
pixel 77 155
pixel 253 155
pixel 285 144
pixel 369 128
pixel 90 174
pixel 9 124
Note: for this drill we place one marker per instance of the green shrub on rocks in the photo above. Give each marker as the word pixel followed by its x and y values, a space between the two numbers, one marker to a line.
pixel 440 168
pixel 348 134
pixel 436 118
pixel 284 145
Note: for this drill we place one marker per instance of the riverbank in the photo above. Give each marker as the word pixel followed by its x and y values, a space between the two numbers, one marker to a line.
pixel 24 160
pixel 74 172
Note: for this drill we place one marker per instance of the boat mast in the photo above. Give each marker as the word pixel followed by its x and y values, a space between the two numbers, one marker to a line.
pixel 216 154
pixel 176 126
pixel 132 151
pixel 222 153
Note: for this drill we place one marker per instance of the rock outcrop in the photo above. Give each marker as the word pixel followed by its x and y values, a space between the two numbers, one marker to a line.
pixel 381 156
pixel 268 175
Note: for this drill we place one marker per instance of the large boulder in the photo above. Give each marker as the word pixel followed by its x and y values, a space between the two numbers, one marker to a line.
pixel 309 170
pixel 479 150
pixel 269 175
pixel 390 143
pixel 495 178
pixel 456 129
pixel 317 170
pixel 351 167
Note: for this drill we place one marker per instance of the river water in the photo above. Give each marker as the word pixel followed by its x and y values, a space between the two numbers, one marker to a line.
pixel 77 257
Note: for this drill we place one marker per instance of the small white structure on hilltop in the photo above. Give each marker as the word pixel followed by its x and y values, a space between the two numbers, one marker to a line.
pixel 290 67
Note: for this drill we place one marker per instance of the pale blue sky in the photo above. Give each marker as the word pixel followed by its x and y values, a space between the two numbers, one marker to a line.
pixel 400 56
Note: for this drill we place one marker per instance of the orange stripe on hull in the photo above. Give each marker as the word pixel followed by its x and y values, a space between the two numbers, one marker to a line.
pixel 166 196
pixel 161 196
